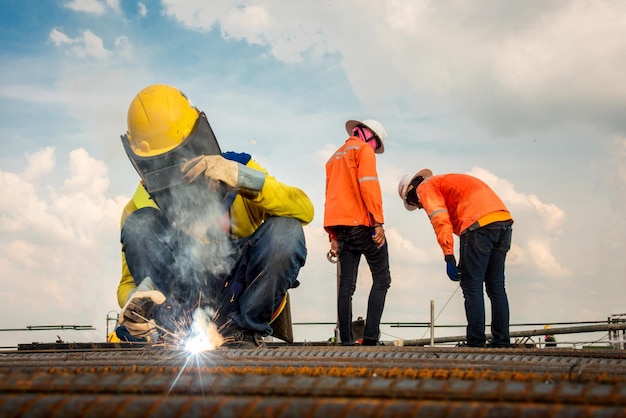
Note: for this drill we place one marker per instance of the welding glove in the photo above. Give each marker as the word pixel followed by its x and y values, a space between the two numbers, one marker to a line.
pixel 219 169
pixel 451 268
pixel 140 330
pixel 141 302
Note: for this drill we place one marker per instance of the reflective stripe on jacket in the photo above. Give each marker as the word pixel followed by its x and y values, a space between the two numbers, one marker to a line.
pixel 455 202
pixel 353 195
pixel 247 215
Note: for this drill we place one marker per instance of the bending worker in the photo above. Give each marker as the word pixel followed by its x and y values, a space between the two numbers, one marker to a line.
pixel 353 218
pixel 206 231
pixel 466 206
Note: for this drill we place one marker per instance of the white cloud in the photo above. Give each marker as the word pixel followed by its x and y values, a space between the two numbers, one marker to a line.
pixel 88 6
pixel 258 23
pixel 248 23
pixel 32 216
pixel 123 46
pixel 195 14
pixel 30 93
pixel 22 254
pixel 612 172
pixel 87 45
pixel 550 215
pixel 516 256
pixel 537 225
pixel 39 164
pixel 508 67
pixel 142 9
pixel 541 255
pixel 403 16
pixel 405 252
pixel 114 4
pixel 58 246
pixel 93 6
pixel 323 154
pixel 59 38
pixel 551 50
pixel 92 46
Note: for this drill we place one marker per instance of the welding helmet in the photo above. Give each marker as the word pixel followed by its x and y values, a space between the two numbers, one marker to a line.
pixel 164 131
pixel 373 125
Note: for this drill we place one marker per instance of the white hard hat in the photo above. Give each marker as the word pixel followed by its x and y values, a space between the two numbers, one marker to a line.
pixel 402 186
pixel 372 125
pixel 406 180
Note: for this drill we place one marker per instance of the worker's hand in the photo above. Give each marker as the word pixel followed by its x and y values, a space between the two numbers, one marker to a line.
pixel 451 268
pixel 378 235
pixel 140 329
pixel 137 313
pixel 334 247
pixel 214 168
pixel 333 253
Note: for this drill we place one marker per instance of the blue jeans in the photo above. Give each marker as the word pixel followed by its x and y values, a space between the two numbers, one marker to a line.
pixel 242 280
pixel 354 242
pixel 483 254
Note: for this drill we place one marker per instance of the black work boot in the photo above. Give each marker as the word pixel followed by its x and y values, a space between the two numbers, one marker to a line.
pixel 236 337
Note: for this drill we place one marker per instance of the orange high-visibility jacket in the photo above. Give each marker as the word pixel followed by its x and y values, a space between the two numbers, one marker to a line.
pixel 456 202
pixel 353 195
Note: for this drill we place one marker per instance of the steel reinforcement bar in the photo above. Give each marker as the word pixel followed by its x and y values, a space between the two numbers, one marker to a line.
pixel 314 382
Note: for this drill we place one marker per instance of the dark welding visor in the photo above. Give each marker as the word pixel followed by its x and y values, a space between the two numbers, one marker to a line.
pixel 161 172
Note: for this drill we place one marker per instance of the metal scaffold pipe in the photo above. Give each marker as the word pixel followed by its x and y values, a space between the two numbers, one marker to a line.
pixel 432 322
pixel 526 333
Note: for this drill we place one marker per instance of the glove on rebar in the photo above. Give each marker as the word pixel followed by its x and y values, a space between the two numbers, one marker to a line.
pixel 140 330
pixel 142 302
pixel 451 268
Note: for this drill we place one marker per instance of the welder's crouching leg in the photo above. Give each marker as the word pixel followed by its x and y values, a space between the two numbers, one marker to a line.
pixel 146 243
pixel 154 249
pixel 282 326
pixel 273 255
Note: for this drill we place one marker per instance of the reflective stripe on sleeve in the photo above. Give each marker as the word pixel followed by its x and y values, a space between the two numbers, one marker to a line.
pixel 432 215
pixel 368 178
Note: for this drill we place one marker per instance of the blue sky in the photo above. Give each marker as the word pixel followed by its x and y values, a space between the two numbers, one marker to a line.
pixel 528 97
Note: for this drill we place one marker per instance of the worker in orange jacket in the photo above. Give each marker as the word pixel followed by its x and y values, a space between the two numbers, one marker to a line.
pixel 353 218
pixel 464 205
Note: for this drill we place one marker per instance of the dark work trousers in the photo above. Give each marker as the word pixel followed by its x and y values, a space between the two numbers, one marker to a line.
pixel 483 254
pixel 353 243
pixel 242 280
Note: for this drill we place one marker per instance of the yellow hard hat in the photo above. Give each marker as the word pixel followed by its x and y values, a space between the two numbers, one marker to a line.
pixel 160 117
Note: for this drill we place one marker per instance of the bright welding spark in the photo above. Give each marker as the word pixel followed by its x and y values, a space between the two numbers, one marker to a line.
pixel 197 344
pixel 204 335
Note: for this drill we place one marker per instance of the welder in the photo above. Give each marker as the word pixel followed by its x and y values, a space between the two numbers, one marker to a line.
pixel 206 230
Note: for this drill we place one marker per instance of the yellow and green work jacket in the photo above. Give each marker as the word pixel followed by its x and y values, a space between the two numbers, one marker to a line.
pixel 246 214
